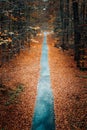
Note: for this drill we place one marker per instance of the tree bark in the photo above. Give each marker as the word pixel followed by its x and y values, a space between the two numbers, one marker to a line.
pixel 77 36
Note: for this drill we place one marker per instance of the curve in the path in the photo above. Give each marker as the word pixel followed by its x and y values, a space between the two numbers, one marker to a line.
pixel 44 118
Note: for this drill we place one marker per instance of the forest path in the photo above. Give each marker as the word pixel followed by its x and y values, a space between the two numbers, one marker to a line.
pixel 44 110
pixel 69 89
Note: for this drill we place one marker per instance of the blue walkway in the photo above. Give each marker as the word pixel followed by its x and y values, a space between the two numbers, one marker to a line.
pixel 44 110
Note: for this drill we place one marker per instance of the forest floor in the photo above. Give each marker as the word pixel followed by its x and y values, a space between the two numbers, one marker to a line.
pixel 20 79
pixel 69 86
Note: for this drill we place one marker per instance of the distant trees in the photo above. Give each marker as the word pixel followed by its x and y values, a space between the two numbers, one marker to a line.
pixel 70 24
pixel 15 12
pixel 14 27
pixel 68 19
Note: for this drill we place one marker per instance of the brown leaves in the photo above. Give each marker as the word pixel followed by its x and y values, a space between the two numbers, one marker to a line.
pixel 68 89
pixel 22 69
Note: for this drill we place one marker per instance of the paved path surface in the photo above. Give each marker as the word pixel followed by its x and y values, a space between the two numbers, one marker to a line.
pixel 44 118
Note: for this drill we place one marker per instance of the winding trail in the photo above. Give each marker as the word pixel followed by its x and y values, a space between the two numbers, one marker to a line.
pixel 44 118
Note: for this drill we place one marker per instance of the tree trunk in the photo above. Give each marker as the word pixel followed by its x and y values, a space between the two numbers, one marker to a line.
pixel 77 36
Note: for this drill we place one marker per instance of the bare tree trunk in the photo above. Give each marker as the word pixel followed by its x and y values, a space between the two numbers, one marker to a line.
pixel 76 32
pixel 67 21
pixel 62 16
